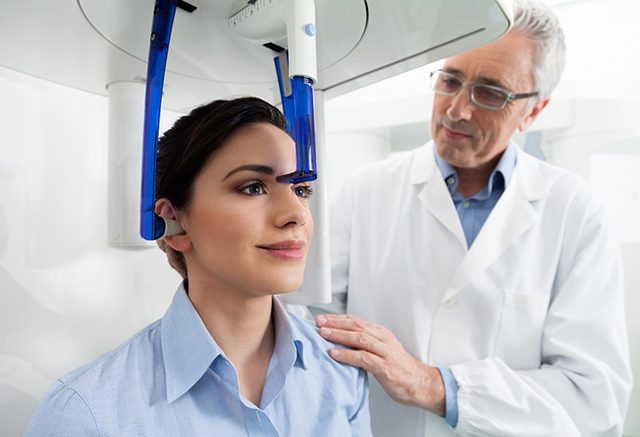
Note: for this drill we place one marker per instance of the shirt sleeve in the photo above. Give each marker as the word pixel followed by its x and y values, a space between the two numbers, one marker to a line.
pixel 62 412
pixel 584 382
pixel 451 396
pixel 360 420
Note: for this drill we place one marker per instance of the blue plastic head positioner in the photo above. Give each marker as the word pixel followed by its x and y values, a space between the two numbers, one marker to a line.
pixel 298 109
pixel 151 226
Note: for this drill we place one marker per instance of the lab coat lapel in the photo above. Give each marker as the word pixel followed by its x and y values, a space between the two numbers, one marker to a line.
pixel 512 216
pixel 434 193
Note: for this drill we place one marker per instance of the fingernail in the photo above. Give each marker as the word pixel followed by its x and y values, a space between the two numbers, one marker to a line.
pixel 334 353
pixel 325 331
pixel 321 320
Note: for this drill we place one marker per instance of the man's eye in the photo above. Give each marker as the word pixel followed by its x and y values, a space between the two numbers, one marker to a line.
pixel 254 189
pixel 450 82
pixel 304 191
pixel 490 94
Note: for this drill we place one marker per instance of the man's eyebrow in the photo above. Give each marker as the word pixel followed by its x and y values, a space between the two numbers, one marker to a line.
pixel 453 71
pixel 482 79
pixel 490 81
pixel 251 167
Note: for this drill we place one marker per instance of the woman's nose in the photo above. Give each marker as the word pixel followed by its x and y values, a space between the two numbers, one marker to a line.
pixel 290 210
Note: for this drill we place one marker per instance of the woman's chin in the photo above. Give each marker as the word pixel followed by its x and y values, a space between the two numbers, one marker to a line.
pixel 288 286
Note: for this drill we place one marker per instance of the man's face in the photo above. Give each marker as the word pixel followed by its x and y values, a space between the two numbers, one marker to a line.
pixel 468 136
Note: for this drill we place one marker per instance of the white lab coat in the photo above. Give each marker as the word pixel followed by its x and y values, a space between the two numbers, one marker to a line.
pixel 530 319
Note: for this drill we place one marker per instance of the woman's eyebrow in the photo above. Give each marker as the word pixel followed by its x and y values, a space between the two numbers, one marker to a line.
pixel 251 167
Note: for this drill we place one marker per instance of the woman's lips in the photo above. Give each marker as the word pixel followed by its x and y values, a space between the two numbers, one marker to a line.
pixel 455 135
pixel 287 250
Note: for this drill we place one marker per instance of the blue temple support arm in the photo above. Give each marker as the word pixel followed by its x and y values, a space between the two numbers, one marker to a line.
pixel 152 227
pixel 298 109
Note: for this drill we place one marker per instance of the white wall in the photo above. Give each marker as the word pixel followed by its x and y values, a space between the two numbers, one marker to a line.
pixel 65 296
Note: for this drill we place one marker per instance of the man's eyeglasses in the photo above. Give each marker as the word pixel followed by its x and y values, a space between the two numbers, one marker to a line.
pixel 483 95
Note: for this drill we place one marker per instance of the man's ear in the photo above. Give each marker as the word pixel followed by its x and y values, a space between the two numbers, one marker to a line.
pixel 179 242
pixel 532 115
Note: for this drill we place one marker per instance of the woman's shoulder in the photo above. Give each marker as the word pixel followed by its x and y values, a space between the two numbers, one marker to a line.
pixel 111 373
pixel 74 399
pixel 316 352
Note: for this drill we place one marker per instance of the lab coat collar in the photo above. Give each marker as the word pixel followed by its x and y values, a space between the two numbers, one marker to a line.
pixel 433 191
pixel 512 216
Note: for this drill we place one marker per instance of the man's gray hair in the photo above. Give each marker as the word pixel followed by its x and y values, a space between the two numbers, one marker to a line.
pixel 536 20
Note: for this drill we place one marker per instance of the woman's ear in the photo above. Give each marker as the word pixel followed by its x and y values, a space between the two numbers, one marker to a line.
pixel 165 209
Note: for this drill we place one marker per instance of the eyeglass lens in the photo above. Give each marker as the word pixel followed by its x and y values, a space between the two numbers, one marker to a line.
pixel 483 95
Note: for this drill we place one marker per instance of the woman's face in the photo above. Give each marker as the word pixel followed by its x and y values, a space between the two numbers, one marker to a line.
pixel 247 232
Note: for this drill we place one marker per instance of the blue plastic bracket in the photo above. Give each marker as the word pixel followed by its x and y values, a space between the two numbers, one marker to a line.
pixel 151 226
pixel 298 105
pixel 299 112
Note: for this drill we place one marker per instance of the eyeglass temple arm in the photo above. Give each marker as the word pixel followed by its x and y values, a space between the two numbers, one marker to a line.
pixel 522 96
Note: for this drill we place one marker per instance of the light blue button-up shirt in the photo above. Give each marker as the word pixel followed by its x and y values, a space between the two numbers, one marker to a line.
pixel 473 212
pixel 172 379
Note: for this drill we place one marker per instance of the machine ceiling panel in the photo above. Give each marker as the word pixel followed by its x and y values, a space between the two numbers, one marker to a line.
pixel 88 44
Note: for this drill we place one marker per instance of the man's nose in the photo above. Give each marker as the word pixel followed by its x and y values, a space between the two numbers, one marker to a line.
pixel 460 106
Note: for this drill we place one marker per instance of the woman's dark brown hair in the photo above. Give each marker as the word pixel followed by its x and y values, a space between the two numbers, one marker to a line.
pixel 184 149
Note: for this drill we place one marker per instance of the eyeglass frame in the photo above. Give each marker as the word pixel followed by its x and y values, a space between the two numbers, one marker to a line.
pixel 510 95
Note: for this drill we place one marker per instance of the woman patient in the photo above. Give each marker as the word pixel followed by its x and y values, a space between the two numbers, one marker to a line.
pixel 226 359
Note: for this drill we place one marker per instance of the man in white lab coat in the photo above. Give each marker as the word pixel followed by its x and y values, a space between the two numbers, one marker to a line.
pixel 485 290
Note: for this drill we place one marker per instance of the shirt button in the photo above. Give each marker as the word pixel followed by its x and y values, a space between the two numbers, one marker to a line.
pixel 450 303
pixel 450 180
pixel 465 204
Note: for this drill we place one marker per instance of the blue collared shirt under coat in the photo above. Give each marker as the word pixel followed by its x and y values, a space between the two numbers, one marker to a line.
pixel 473 212
pixel 172 379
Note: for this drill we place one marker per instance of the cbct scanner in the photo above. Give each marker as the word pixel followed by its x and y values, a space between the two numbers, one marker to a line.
pixel 223 48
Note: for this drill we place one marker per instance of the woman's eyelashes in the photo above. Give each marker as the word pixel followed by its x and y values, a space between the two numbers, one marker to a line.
pixel 259 188
pixel 304 191
pixel 255 188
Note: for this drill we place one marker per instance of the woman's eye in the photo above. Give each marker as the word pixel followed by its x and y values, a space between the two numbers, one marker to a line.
pixel 304 191
pixel 255 189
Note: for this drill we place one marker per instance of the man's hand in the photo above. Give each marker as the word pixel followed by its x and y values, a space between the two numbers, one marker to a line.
pixel 405 379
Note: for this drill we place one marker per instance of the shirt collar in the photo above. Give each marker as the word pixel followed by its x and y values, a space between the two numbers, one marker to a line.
pixel 507 163
pixel 505 167
pixel 188 349
pixel 287 333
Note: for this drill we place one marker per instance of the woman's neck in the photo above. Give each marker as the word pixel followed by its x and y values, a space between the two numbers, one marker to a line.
pixel 243 328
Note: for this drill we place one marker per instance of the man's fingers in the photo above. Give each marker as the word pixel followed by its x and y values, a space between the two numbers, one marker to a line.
pixel 363 359
pixel 349 323
pixel 355 339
